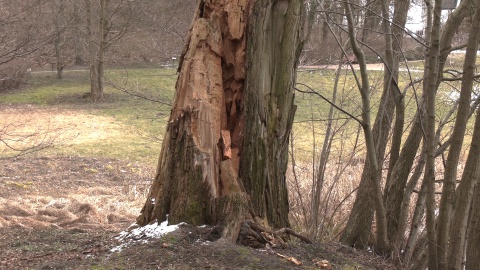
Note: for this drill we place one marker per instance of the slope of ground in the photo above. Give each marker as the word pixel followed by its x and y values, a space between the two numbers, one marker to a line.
pixel 65 212
pixel 65 208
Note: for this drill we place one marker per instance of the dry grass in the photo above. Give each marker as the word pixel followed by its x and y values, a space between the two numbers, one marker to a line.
pixel 72 192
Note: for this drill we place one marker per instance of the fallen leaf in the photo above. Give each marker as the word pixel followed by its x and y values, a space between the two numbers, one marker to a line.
pixel 290 259
pixel 323 264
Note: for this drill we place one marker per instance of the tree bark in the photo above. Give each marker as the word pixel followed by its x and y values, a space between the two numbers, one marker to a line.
pixel 473 238
pixel 229 121
pixel 357 231
pixel 269 106
pixel 463 198
pixel 373 177
pixel 199 160
pixel 433 52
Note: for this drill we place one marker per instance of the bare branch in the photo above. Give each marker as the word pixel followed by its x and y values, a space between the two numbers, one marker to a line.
pixel 312 91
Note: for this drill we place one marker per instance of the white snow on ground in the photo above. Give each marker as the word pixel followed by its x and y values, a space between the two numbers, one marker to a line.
pixel 143 234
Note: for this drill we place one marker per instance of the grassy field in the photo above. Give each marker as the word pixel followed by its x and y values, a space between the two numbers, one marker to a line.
pixel 132 126
pixel 131 122
pixel 129 126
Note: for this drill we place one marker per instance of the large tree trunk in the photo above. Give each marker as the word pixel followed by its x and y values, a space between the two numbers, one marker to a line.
pixel 229 120
pixel 269 107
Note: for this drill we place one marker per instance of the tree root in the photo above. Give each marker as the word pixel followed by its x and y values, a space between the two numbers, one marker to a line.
pixel 255 235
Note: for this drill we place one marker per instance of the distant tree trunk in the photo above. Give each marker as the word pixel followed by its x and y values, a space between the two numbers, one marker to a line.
pixel 78 36
pixel 102 46
pixel 372 20
pixel 59 38
pixel 95 92
pixel 228 132
pixel 97 44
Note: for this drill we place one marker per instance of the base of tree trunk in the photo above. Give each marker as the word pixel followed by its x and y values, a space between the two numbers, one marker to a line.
pixel 235 216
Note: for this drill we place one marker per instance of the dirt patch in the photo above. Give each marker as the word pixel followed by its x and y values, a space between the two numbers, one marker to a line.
pixel 187 248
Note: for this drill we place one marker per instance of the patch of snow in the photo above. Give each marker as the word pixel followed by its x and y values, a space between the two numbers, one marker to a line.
pixel 203 242
pixel 143 234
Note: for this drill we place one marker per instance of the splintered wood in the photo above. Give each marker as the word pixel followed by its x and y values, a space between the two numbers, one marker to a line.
pixel 211 84
pixel 227 144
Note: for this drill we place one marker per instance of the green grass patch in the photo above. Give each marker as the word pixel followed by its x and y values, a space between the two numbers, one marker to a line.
pixel 138 105
pixel 140 122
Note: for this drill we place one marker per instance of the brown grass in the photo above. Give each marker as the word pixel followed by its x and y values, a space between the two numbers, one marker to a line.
pixel 71 192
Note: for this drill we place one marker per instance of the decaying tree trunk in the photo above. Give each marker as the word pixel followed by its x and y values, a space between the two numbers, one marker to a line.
pixel 232 116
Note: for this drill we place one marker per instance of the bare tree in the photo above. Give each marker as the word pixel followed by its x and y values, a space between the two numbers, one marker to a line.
pixel 459 212
pixel 111 25
pixel 60 27
pixel 22 33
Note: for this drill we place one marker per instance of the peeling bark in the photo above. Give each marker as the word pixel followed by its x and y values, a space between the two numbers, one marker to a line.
pixel 228 121
pixel 199 158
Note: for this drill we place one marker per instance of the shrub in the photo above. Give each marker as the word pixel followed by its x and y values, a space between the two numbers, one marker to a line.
pixel 13 75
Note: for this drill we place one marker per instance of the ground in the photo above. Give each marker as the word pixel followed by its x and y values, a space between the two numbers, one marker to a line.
pixel 66 212
pixel 62 208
